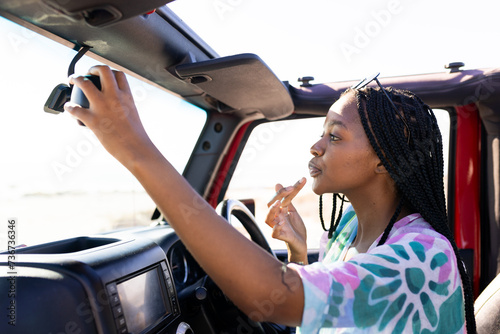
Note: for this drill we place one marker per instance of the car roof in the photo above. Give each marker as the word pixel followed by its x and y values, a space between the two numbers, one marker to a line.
pixel 439 90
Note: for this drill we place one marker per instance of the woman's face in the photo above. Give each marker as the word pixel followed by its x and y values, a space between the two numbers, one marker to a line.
pixel 344 160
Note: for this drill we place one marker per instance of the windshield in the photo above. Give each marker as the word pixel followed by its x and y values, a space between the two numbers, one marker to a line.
pixel 57 180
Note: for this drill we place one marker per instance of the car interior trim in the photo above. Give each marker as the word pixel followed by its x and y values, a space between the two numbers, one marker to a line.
pixel 467 186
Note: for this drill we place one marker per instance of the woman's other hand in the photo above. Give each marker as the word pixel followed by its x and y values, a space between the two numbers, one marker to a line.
pixel 286 222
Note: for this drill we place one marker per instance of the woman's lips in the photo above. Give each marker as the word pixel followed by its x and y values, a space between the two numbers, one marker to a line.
pixel 314 170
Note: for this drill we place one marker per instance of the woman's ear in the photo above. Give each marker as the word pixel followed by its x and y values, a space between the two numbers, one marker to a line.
pixel 380 168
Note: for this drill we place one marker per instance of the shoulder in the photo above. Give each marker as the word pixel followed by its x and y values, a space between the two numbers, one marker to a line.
pixel 413 229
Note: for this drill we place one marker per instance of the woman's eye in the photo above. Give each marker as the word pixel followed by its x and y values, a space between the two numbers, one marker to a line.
pixel 334 137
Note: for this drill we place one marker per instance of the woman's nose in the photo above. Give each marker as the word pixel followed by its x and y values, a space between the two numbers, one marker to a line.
pixel 317 149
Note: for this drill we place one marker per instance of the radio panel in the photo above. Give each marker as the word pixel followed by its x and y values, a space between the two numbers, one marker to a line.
pixel 139 302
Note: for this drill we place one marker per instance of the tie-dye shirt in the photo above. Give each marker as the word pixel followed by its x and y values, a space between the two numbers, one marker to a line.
pixel 411 284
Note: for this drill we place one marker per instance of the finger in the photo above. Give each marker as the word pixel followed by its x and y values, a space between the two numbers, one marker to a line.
pixel 81 114
pixel 291 208
pixel 282 193
pixel 278 195
pixel 295 190
pixel 108 79
pixel 88 88
pixel 122 82
pixel 282 232
pixel 273 212
pixel 279 232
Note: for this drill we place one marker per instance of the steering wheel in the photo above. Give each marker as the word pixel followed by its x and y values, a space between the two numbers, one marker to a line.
pixel 218 311
pixel 232 207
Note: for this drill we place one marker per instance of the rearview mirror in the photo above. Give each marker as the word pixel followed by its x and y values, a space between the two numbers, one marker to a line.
pixel 59 96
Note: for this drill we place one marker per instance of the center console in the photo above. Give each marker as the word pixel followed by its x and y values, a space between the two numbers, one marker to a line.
pixel 95 285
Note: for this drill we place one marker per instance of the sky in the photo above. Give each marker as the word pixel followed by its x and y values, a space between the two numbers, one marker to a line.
pixel 346 40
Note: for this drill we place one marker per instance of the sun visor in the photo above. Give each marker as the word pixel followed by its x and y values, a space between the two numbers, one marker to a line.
pixel 243 82
pixel 100 13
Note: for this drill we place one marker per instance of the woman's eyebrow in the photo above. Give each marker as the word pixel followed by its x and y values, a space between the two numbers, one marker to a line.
pixel 337 122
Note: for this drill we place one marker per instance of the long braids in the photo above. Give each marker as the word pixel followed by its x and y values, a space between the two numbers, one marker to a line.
pixel 414 160
pixel 334 222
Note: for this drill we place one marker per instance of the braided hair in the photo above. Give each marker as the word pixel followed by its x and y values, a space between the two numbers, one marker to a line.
pixel 333 222
pixel 414 161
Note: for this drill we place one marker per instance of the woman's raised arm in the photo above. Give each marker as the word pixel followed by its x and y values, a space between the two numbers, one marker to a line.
pixel 255 281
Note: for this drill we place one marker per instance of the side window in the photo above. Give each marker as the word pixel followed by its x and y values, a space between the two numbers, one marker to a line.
pixel 443 118
pixel 279 152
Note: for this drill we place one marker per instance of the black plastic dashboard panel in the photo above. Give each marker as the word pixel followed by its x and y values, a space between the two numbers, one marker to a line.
pixel 92 285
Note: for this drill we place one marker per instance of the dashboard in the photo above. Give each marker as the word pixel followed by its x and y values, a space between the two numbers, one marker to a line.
pixel 185 270
pixel 125 282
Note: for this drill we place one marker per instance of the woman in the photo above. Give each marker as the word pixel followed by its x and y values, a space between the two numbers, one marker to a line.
pixel 399 273
pixel 403 268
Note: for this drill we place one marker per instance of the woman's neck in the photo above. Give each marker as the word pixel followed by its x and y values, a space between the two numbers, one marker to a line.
pixel 374 213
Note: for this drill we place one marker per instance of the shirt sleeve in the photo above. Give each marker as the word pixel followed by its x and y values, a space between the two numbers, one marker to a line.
pixel 408 285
